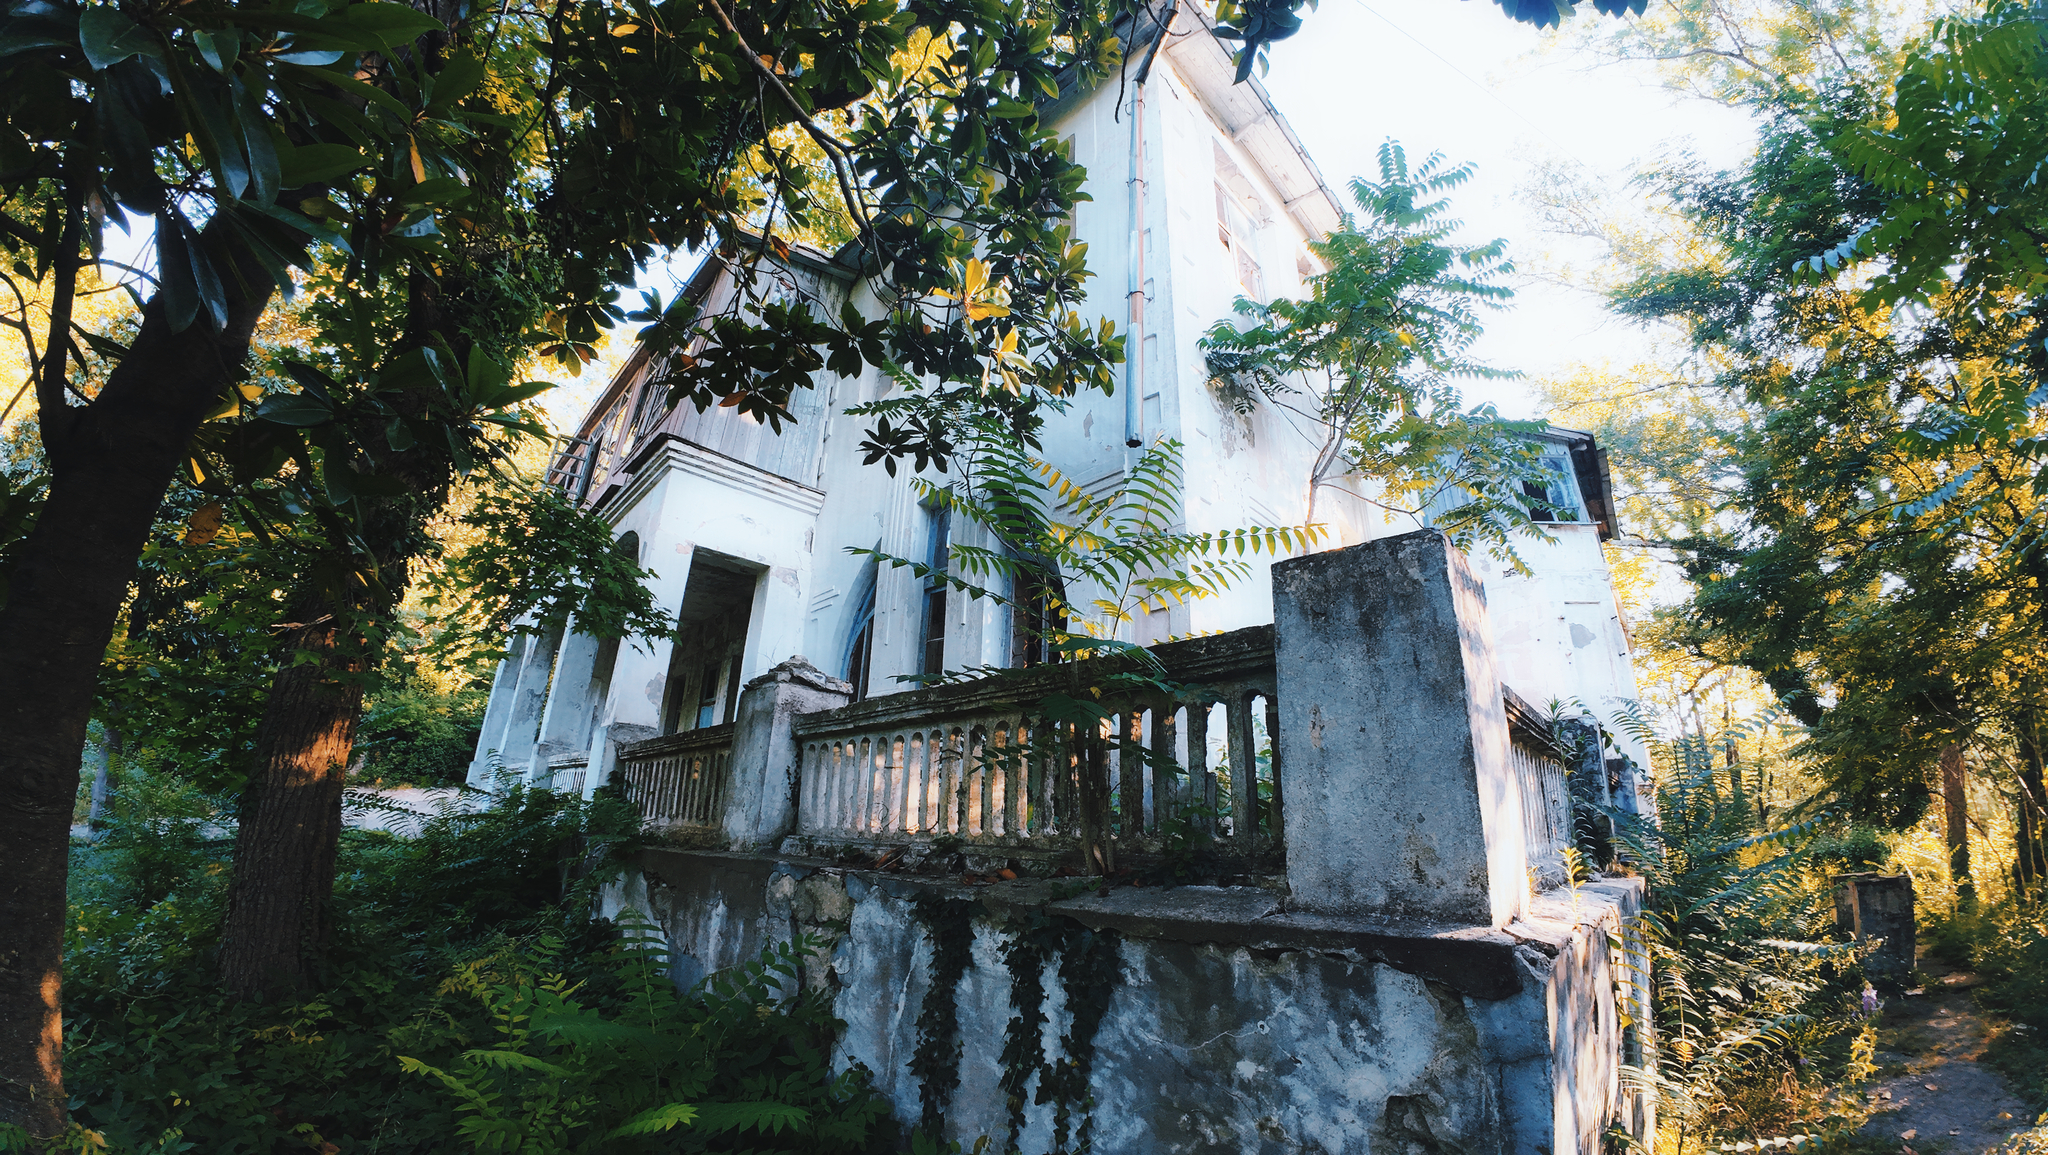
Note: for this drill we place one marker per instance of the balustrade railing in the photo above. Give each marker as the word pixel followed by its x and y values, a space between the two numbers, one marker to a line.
pixel 1075 756
pixel 567 774
pixel 681 779
pixel 1538 767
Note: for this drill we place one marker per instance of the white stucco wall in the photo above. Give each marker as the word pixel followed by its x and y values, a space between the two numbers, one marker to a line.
pixel 810 498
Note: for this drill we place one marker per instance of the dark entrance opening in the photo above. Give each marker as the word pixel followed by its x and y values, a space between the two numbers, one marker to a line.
pixel 705 668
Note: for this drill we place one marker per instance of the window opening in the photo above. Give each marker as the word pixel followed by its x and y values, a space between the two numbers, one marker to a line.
pixel 1235 230
pixel 710 643
pixel 1036 617
pixel 1555 497
pixel 940 531
pixel 707 695
pixel 860 650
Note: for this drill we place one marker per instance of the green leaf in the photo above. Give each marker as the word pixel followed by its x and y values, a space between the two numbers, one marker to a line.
pixel 395 25
pixel 297 409
pixel 655 1119
pixel 107 37
pixel 312 164
pixel 459 77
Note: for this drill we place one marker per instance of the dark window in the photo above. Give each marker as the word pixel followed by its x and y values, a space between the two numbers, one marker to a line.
pixel 860 653
pixel 707 696
pixel 1556 498
pixel 934 661
pixel 1035 617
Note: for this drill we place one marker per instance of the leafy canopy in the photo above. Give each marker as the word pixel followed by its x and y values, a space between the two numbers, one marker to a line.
pixel 1373 356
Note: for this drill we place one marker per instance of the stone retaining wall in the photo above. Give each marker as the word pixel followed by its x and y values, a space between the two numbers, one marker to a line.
pixel 1229 1023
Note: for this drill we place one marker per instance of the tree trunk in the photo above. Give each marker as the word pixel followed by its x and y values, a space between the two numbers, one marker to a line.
pixel 110 463
pixel 1956 816
pixel 277 924
pixel 2028 865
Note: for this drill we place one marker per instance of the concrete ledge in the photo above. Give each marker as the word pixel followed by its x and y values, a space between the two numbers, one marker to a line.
pixel 1472 960
pixel 1476 961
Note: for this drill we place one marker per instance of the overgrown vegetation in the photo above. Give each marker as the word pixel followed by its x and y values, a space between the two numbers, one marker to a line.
pixel 469 1002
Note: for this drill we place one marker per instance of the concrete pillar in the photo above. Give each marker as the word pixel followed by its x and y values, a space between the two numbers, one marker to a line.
pixel 565 722
pixel 632 708
pixel 760 806
pixel 496 711
pixel 529 698
pixel 1399 799
pixel 775 622
pixel 1879 906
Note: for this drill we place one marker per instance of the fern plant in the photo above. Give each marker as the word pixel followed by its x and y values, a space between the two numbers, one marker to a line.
pixel 1725 933
pixel 649 1068
pixel 1095 559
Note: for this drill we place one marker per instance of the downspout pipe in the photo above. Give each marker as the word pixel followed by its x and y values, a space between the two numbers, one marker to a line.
pixel 1134 264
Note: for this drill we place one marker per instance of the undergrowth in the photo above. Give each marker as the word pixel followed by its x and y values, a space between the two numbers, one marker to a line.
pixel 467 1003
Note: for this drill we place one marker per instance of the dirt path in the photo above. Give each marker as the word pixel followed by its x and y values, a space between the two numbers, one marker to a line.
pixel 1932 1093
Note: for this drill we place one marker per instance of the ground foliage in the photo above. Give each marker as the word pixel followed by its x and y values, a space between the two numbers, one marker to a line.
pixel 1747 989
pixel 465 948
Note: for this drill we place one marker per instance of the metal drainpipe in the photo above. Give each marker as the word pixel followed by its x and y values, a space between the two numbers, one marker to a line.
pixel 1134 348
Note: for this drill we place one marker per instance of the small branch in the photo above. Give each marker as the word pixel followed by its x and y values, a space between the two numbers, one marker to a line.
pixel 18 395
pixel 51 386
pixel 825 140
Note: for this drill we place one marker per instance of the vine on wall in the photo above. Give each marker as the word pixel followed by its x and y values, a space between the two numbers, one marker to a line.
pixel 949 924
pixel 1088 974
pixel 1088 969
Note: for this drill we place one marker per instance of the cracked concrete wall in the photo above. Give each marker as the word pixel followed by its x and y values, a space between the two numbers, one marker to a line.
pixel 1216 1046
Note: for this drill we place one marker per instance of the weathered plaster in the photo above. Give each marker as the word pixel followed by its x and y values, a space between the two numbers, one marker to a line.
pixel 1235 1026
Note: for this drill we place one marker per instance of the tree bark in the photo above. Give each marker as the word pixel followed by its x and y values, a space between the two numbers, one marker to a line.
pixel 277 923
pixel 110 464
pixel 1956 813
pixel 278 927
pixel 2028 865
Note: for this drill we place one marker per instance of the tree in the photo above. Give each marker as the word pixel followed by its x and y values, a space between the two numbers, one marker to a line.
pixel 449 157
pixel 1371 360
pixel 1875 569
pixel 452 153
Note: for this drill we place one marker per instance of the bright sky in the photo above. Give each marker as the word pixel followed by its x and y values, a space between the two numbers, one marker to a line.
pixel 1459 77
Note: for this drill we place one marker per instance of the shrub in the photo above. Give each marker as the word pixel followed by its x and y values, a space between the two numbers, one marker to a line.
pixel 444 946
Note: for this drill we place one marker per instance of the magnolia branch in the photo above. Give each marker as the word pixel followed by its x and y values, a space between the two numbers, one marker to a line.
pixel 825 140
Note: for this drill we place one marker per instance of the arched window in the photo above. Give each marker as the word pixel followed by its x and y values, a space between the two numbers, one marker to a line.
pixel 860 646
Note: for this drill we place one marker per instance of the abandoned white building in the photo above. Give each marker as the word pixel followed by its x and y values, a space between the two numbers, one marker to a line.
pixel 1389 962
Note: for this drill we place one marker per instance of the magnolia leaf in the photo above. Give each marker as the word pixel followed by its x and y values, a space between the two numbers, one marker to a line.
pixel 107 37
pixel 205 524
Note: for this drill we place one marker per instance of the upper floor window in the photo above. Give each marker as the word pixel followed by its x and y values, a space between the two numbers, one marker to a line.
pixel 1239 235
pixel 940 527
pixel 1556 497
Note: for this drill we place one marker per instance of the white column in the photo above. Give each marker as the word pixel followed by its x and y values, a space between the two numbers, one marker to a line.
pixel 529 697
pixel 565 722
pixel 775 622
pixel 632 708
pixel 496 711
